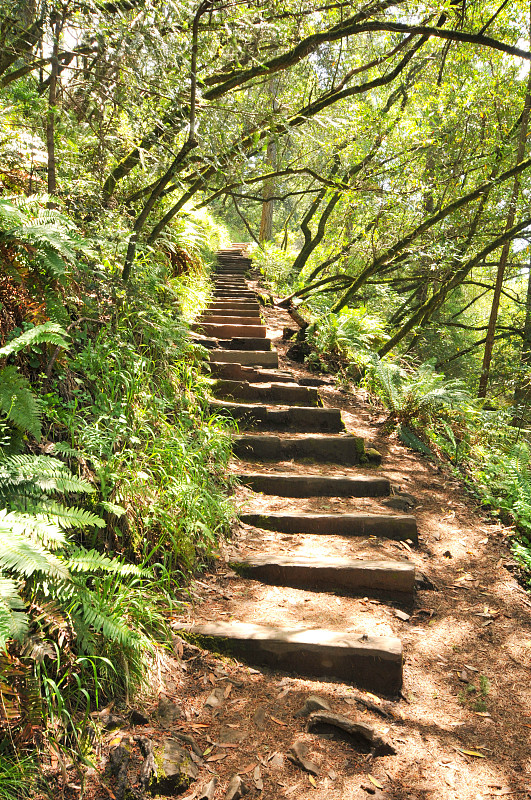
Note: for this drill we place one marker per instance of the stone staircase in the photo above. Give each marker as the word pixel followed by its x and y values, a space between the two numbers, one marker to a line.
pixel 279 419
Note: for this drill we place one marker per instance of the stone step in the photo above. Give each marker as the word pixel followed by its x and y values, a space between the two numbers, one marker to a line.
pixel 289 485
pixel 345 449
pixel 235 294
pixel 243 305
pixel 229 294
pixel 237 343
pixel 231 285
pixel 237 372
pixel 225 319
pixel 301 418
pixel 401 528
pixel 244 343
pixel 232 269
pixel 273 393
pixel 340 575
pixel 370 662
pixel 252 358
pixel 220 311
pixel 245 291
pixel 220 331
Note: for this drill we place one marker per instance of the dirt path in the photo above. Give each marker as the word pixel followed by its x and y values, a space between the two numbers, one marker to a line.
pixel 461 727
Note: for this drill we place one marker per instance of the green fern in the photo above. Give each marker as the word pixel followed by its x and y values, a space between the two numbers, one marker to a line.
pixel 71 516
pixel 13 620
pixel 43 235
pixel 25 478
pixel 18 403
pixel 48 332
pixel 417 396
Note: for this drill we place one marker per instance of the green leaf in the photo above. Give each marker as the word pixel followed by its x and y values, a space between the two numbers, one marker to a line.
pixel 18 403
pixel 49 332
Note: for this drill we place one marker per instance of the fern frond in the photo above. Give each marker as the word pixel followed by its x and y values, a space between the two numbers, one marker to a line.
pixel 24 473
pixel 113 508
pixel 81 560
pixel 13 623
pixel 33 524
pixel 18 403
pixel 48 332
pixel 97 612
pixel 71 516
pixel 22 555
pixel 65 450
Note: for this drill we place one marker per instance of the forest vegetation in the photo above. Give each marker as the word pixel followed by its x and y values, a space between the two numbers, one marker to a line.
pixel 375 154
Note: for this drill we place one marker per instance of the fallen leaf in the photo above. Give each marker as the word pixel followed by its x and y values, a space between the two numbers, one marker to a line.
pixel 228 690
pixel 471 753
pixel 217 757
pixel 312 781
pixel 375 782
pixel 279 721
pixel 248 768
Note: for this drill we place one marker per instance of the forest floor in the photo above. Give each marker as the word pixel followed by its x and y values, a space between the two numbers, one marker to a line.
pixel 462 726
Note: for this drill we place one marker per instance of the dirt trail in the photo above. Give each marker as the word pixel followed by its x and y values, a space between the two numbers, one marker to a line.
pixel 461 727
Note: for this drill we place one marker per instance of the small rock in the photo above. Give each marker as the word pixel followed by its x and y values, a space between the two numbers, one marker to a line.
pixel 447 554
pixel 402 615
pixel 138 718
pixel 398 503
pixel 236 788
pixel 216 698
pixel 373 456
pixel 178 770
pixel 259 718
pixel 231 736
pixel 297 755
pixel 168 712
pixel 313 703
pixel 276 761
pixel 257 778
pixel 111 722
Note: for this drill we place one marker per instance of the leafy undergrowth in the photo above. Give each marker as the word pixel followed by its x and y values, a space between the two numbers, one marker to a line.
pixel 112 479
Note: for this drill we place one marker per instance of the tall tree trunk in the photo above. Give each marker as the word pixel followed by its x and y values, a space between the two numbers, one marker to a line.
pixel 522 392
pixel 504 256
pixel 57 25
pixel 266 223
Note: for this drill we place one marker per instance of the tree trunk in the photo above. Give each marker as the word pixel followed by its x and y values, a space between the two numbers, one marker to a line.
pixel 57 26
pixel 504 256
pixel 266 223
pixel 522 392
